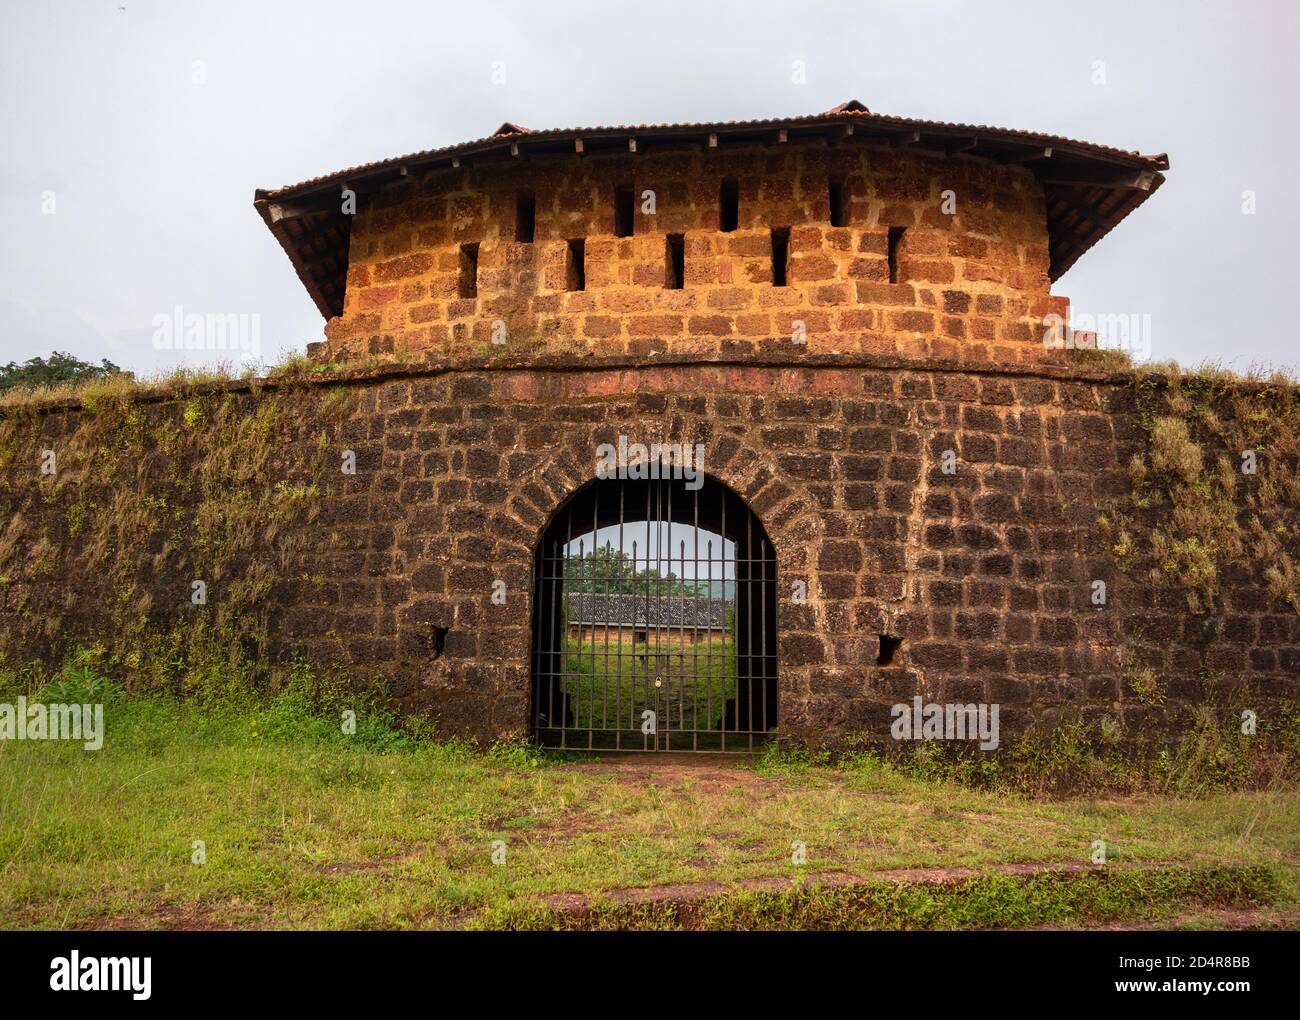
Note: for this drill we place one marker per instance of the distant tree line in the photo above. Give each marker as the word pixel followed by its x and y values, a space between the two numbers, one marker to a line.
pixel 57 368
pixel 610 571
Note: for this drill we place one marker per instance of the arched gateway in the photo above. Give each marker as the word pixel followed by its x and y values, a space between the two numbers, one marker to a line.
pixel 654 621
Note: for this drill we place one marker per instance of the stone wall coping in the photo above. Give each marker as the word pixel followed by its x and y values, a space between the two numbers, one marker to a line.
pixel 370 372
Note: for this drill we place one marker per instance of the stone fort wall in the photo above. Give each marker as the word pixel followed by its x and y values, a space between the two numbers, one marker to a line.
pixel 987 573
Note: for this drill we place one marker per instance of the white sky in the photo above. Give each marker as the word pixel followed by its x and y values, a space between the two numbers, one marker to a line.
pixel 153 175
pixel 714 559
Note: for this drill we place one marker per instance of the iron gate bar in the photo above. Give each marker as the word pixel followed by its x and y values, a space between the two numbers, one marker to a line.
pixel 578 591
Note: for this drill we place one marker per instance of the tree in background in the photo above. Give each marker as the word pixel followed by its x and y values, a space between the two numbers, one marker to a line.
pixel 57 368
pixel 610 571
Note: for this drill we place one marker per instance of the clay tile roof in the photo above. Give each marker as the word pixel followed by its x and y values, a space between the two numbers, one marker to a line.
pixel 647 611
pixel 1089 187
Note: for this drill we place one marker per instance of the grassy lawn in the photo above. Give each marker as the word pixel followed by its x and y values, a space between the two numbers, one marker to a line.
pixel 304 826
pixel 610 685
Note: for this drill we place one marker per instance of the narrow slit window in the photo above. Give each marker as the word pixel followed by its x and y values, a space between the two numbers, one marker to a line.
pixel 467 287
pixel 525 217
pixel 888 647
pixel 575 265
pixel 780 255
pixel 838 218
pixel 729 206
pixel 895 239
pixel 623 210
pixel 675 261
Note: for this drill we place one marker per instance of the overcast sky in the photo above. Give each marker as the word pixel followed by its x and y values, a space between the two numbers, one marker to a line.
pixel 152 171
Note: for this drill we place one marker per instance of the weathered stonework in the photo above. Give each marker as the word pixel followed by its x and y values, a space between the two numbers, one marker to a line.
pixel 970 277
pixel 986 574
pixel 927 470
pixel 841 232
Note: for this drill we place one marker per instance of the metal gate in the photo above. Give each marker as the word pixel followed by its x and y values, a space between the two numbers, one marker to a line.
pixel 654 621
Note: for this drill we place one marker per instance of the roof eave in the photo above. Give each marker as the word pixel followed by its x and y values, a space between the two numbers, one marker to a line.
pixel 263 205
pixel 1043 154
pixel 867 124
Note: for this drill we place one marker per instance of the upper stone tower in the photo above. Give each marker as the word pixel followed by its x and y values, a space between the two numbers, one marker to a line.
pixel 842 231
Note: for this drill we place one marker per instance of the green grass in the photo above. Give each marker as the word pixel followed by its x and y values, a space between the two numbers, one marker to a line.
pixel 306 826
pixel 610 685
pixel 1209 755
pixel 994 901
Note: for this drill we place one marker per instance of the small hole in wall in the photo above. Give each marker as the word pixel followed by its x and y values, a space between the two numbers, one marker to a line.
pixel 438 642
pixel 525 217
pixel 729 206
pixel 895 239
pixel 837 202
pixel 624 206
pixel 675 262
pixel 467 285
pixel 575 265
pixel 888 648
pixel 780 255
